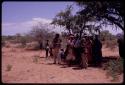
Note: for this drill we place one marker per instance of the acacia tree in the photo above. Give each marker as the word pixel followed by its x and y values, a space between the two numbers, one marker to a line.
pixel 76 24
pixel 105 12
pixel 63 18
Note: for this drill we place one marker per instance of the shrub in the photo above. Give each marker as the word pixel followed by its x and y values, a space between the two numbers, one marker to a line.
pixel 114 68
pixel 33 46
pixel 9 67
pixel 111 44
pixel 23 41
pixel 35 58
pixel 7 46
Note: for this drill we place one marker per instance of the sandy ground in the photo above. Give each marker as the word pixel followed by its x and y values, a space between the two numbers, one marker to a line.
pixel 25 70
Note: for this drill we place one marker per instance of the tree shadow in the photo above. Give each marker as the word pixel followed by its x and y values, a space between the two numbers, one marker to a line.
pixel 49 64
pixel 42 57
pixel 65 66
pixel 78 68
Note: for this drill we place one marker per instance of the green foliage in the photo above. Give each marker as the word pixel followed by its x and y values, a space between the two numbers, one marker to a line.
pixel 114 68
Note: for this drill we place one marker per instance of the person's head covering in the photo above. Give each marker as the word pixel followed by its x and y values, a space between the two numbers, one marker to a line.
pixel 96 36
pixel 57 35
pixel 71 35
pixel 119 36
pixel 77 36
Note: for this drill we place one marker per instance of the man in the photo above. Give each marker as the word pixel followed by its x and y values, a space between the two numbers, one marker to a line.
pixel 47 48
pixel 56 46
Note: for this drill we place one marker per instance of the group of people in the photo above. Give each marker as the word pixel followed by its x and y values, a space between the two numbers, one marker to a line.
pixel 83 51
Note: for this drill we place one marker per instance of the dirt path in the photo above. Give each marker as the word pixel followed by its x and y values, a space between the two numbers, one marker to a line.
pixel 25 70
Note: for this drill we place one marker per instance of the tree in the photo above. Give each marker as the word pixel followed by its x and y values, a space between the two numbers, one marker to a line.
pixel 105 12
pixel 38 33
pixel 76 24
pixel 63 18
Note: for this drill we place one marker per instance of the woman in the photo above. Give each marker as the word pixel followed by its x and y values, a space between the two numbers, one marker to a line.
pixel 56 46
pixel 69 51
pixel 88 47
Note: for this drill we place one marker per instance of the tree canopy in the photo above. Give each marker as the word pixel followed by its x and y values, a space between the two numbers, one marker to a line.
pixel 109 12
pixel 101 12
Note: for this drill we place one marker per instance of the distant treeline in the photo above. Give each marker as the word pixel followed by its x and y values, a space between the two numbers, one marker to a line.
pixel 41 35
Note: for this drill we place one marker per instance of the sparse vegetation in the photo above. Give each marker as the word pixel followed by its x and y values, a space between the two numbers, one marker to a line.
pixel 108 39
pixel 36 58
pixel 114 68
pixel 13 50
pixel 32 46
pixel 9 67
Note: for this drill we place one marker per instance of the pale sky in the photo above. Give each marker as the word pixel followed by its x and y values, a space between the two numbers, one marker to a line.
pixel 19 17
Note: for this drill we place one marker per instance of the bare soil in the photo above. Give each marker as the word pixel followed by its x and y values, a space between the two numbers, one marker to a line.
pixel 23 69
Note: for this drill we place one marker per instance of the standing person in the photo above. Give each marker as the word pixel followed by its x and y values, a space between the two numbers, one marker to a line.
pixel 121 45
pixel 88 46
pixel 56 46
pixel 47 48
pixel 69 50
pixel 97 52
pixel 41 45
pixel 84 60
pixel 51 51
pixel 60 56
pixel 77 50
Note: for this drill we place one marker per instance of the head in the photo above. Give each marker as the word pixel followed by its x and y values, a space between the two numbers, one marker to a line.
pixel 62 49
pixel 77 36
pixel 47 40
pixel 57 36
pixel 96 36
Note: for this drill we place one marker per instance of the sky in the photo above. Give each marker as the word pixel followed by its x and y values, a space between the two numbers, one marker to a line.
pixel 20 17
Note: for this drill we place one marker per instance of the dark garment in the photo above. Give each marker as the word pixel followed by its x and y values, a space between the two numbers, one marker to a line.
pixel 51 54
pixel 78 52
pixel 97 53
pixel 62 56
pixel 47 52
pixel 121 47
pixel 41 45
pixel 57 43
pixel 47 49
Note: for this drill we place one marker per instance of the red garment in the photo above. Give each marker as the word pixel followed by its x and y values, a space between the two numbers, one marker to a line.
pixel 88 51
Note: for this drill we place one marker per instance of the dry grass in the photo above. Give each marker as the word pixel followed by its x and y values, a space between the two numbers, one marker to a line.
pixel 9 67
pixel 36 58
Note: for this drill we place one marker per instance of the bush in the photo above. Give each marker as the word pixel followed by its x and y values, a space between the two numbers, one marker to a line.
pixel 33 46
pixel 23 41
pixel 114 68
pixel 36 58
pixel 111 44
pixel 9 67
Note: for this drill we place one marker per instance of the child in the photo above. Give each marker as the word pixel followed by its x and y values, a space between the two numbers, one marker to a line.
pixel 61 56
pixel 47 48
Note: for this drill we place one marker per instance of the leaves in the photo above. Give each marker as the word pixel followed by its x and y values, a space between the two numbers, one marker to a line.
pixel 110 11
